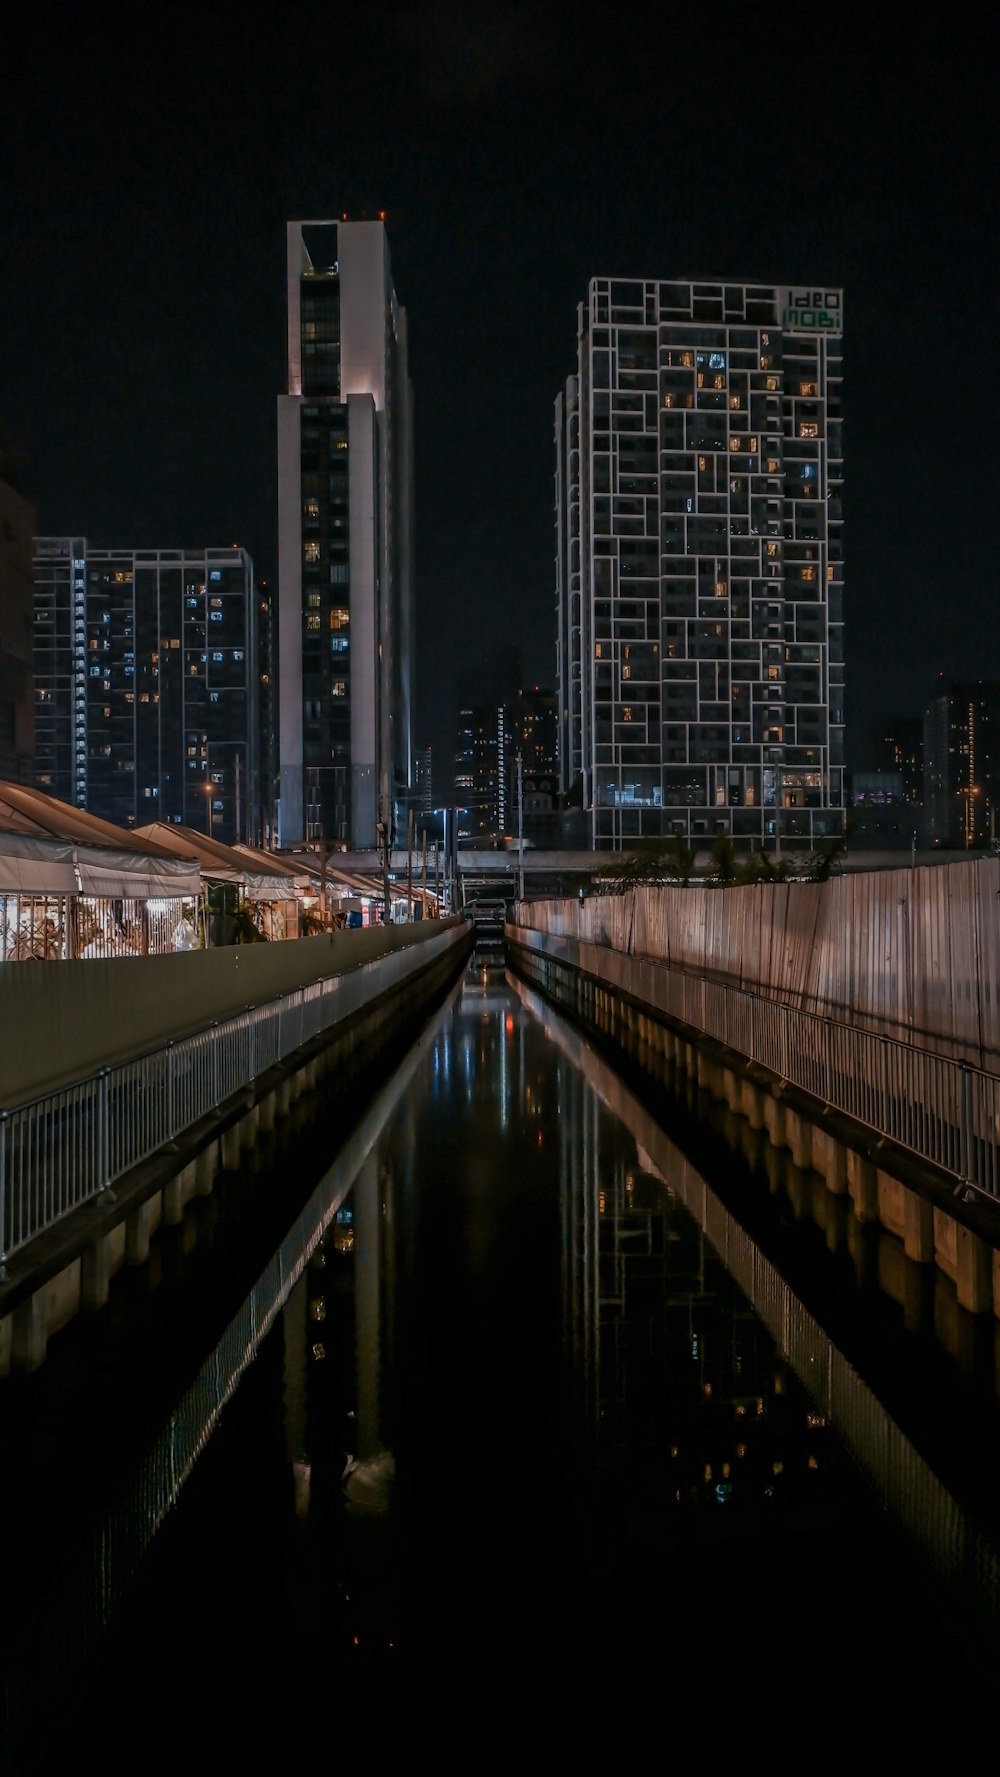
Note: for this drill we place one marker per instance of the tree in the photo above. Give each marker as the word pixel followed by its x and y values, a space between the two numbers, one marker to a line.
pixel 725 870
pixel 653 863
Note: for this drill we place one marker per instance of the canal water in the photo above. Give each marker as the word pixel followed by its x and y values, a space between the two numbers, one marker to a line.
pixel 509 1395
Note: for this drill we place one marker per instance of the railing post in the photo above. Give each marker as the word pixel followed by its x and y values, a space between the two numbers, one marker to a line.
pixel 965 1124
pixel 103 1093
pixel 216 1092
pixel 171 1129
pixel 4 1116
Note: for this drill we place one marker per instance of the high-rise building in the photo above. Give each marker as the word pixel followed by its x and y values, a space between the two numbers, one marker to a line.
pixel 962 766
pixel 146 684
pixel 699 565
pixel 344 541
pixel 17 625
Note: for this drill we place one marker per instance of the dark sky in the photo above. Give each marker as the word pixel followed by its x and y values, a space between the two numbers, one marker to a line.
pixel 151 159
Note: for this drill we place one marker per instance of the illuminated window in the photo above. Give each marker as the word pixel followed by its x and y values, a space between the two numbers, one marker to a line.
pixel 701 379
pixel 703 463
pixel 772 549
pixel 313 600
pixel 721 589
pixel 668 401
pixel 808 389
pixel 597 650
pixel 626 672
pixel 627 713
pixel 338 688
pixel 772 672
pixel 772 466
pixel 809 573
pixel 734 402
pixel 312 550
pixel 312 508
pixel 312 621
pixel 718 382
pixel 808 429
pixel 752 446
pixel 770 382
pixel 340 618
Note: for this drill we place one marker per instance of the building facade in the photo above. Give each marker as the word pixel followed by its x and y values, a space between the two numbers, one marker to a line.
pixel 17 691
pixel 146 695
pixel 962 766
pixel 344 541
pixel 699 564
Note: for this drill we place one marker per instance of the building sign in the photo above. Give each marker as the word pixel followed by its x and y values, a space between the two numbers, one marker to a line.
pixel 818 311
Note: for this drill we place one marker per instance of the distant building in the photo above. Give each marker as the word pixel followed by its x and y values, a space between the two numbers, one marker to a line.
pixel 344 541
pixel 962 766
pixel 900 747
pixel 17 623
pixel 881 817
pixel 267 701
pixel 699 563
pixel 422 795
pixel 482 766
pixel 146 685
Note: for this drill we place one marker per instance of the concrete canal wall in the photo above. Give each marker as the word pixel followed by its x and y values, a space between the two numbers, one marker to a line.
pixel 936 1220
pixel 68 1269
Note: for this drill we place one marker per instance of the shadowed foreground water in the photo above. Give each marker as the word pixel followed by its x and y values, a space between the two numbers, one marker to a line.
pixel 512 1436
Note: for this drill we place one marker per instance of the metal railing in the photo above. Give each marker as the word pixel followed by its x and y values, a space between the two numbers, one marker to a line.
pixel 66 1147
pixel 942 1110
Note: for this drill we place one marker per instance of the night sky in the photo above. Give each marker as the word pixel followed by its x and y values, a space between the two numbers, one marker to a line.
pixel 151 159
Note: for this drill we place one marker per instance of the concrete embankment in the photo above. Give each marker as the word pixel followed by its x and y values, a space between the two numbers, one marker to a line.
pixel 86 1016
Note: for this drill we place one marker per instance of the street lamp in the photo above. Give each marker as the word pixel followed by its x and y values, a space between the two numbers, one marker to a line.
pixel 210 795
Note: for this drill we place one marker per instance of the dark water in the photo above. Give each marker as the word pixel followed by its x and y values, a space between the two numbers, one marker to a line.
pixel 495 1443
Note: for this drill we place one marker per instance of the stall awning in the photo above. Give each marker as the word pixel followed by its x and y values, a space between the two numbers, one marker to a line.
pixel 135 877
pixel 30 866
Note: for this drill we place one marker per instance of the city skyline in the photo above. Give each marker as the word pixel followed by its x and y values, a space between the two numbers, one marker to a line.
pixel 143 343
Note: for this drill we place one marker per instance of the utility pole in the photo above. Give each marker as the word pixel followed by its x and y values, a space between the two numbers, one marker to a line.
pixel 384 831
pixel 409 865
pixel 239 834
pixel 423 878
pixel 520 830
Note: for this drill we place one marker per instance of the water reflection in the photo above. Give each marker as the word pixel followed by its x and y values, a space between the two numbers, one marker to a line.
pixel 518 1388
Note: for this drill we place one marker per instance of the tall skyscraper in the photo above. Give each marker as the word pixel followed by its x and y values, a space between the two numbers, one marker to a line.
pixel 17 628
pixel 344 541
pixel 699 565
pixel 145 684
pixel 962 766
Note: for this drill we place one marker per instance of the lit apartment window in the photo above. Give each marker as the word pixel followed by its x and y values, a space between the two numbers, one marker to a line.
pixel 721 589
pixel 809 573
pixel 627 713
pixel 313 620
pixel 311 550
pixel 338 688
pixel 312 508
pixel 808 429
pixel 626 672
pixel 808 389
pixel 340 618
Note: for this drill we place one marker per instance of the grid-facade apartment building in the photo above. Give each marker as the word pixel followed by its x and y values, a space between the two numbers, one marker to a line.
pixel 145 685
pixel 699 564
